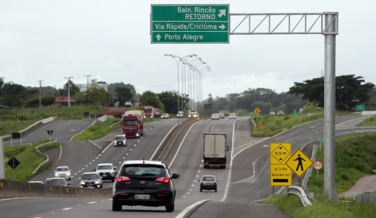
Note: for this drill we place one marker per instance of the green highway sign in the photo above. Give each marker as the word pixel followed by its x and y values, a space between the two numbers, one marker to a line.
pixel 321 140
pixel 360 107
pixel 189 24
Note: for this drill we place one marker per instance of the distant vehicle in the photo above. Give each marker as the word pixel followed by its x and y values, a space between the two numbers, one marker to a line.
pixel 157 113
pixel 232 116
pixel 106 171
pixel 145 183
pixel 215 116
pixel 165 116
pixel 128 104
pixel 149 111
pixel 272 113
pixel 215 150
pixel 63 172
pixel 120 140
pixel 280 113
pixel 180 114
pixel 222 115
pixel 36 182
pixel 91 179
pixel 132 123
pixel 208 182
pixel 193 114
pixel 57 181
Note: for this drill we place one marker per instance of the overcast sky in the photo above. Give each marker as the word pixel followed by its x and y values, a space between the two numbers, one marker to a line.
pixel 110 40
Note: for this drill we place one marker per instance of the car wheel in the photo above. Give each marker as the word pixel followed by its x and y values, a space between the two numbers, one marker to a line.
pixel 113 180
pixel 115 207
pixel 200 189
pixel 170 208
pixel 215 189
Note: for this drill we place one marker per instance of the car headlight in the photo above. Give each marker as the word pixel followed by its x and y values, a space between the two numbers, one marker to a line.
pixel 97 182
pixel 82 183
pixel 68 174
pixel 56 174
pixel 124 142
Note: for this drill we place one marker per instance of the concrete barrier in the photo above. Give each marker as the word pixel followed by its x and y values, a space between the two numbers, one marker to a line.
pixel 12 189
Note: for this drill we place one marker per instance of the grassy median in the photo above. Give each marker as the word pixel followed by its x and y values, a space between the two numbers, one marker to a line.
pixel 355 157
pixel 98 130
pixel 28 161
pixel 369 122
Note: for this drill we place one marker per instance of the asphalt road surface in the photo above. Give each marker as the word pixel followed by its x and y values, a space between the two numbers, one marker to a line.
pixel 244 180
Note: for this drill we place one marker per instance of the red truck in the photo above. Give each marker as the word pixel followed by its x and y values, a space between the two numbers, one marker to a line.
pixel 132 123
pixel 149 111
pixel 157 113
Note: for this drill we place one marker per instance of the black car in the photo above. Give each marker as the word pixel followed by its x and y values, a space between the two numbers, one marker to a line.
pixel 145 183
pixel 91 179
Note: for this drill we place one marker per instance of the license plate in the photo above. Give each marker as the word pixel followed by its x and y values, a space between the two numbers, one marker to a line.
pixel 144 197
pixel 104 175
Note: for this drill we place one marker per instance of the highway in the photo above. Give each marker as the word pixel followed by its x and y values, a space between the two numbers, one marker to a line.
pixel 244 181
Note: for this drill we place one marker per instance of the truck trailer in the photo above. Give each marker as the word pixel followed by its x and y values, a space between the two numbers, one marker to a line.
pixel 132 123
pixel 215 150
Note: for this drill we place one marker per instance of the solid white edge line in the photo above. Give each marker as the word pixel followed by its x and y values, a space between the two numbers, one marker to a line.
pixel 176 154
pixel 107 147
pixel 230 170
pixel 187 209
pixel 95 144
pixel 160 144
pixel 9 199
pixel 81 131
pixel 61 153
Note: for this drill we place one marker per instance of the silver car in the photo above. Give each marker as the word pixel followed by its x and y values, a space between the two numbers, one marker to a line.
pixel 63 172
pixel 208 182
pixel 57 181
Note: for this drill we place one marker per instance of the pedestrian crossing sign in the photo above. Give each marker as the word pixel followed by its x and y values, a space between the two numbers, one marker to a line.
pixel 299 162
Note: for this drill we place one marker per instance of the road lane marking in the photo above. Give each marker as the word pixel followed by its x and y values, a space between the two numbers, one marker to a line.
pixel 253 173
pixel 176 154
pixel 127 154
pixel 191 207
pixel 130 149
pixel 95 145
pixel 93 202
pixel 68 208
pixel 152 156
pixel 134 145
pixel 106 147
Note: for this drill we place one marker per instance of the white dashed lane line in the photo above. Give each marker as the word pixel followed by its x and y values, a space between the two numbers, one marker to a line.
pixel 68 208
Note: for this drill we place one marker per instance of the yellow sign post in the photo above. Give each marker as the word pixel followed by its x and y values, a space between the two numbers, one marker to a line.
pixel 299 162
pixel 257 110
pixel 280 173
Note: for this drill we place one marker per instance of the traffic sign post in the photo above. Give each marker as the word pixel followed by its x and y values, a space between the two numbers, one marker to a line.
pixel 13 163
pixel 321 141
pixel 189 24
pixel 49 132
pixel 257 110
pixel 360 107
pixel 317 165
pixel 280 173
pixel 299 162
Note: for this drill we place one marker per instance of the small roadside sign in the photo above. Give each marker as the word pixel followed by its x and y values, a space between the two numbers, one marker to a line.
pixel 257 110
pixel 360 107
pixel 317 165
pixel 299 162
pixel 280 173
pixel 13 162
pixel 49 132
pixel 321 140
pixel 260 125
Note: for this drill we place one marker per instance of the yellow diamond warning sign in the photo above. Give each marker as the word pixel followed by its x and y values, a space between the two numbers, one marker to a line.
pixel 280 173
pixel 299 162
pixel 257 110
pixel 279 152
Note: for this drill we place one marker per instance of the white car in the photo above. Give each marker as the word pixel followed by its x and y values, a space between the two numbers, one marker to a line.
pixel 128 104
pixel 106 171
pixel 165 116
pixel 215 116
pixel 63 172
pixel 232 116
pixel 120 140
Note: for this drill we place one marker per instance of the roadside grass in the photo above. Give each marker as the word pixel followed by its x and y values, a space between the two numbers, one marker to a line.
pixel 152 119
pixel 276 124
pixel 355 157
pixel 48 147
pixel 98 130
pixel 28 116
pixel 28 161
pixel 310 108
pixel 369 122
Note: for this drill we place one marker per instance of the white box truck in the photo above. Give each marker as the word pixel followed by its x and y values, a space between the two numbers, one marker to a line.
pixel 215 150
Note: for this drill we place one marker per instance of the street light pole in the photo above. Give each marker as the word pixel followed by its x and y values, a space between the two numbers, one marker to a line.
pixel 70 77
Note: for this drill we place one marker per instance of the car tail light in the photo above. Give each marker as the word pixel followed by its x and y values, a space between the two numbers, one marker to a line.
pixel 161 195
pixel 122 178
pixel 163 179
pixel 123 193
pixel 215 184
pixel 202 184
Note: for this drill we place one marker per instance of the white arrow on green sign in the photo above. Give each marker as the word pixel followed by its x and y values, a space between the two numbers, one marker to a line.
pixel 189 23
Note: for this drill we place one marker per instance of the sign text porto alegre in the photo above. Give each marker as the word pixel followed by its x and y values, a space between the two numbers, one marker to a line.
pixel 189 24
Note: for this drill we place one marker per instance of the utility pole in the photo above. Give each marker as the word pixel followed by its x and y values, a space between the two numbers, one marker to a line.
pixel 68 78
pixel 40 95
pixel 2 165
pixel 87 76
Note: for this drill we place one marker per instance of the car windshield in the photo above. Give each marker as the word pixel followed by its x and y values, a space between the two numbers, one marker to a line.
pixel 56 182
pixel 104 167
pixel 90 176
pixel 148 110
pixel 130 122
pixel 143 170
pixel 215 115
pixel 120 138
pixel 62 169
pixel 208 179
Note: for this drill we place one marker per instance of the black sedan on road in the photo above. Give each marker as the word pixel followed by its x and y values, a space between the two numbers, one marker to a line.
pixel 91 179
pixel 145 183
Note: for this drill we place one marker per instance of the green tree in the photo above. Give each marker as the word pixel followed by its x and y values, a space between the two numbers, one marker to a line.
pixel 150 98
pixel 112 90
pixel 13 95
pixel 94 96
pixel 123 94
pixel 169 100
pixel 73 89
pixel 263 106
pixel 349 91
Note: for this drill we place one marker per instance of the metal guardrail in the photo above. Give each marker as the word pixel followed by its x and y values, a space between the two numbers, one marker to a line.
pixel 298 191
pixel 46 120
pixel 366 198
